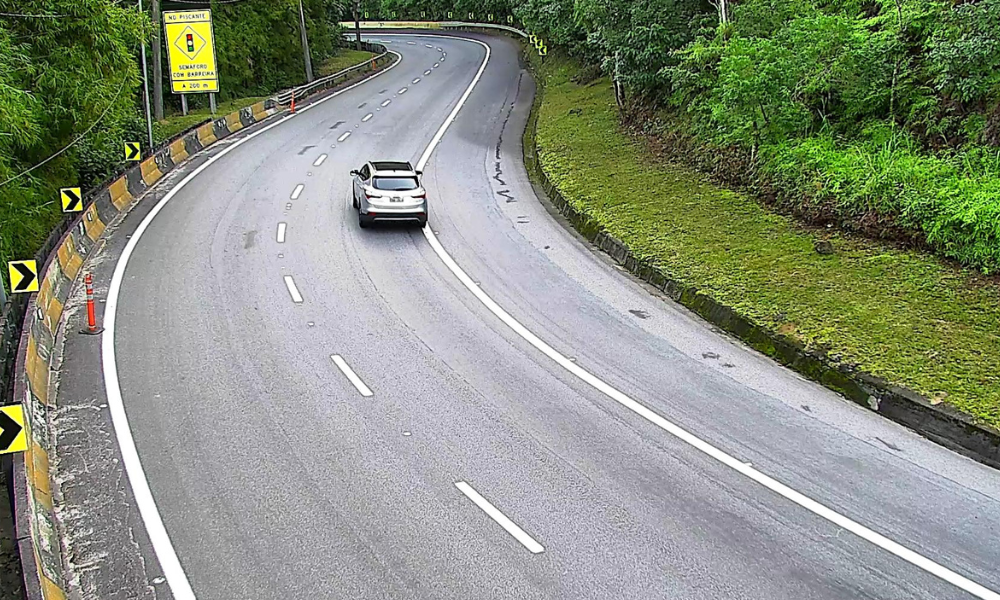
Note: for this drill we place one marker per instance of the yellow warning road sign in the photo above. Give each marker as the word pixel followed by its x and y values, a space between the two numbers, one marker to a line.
pixel 133 151
pixel 23 276
pixel 191 51
pixel 12 435
pixel 72 199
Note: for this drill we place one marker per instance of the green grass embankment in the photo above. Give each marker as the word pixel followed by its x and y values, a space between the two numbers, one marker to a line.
pixel 899 314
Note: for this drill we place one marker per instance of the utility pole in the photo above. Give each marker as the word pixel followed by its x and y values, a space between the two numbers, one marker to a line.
pixel 145 87
pixel 305 43
pixel 357 24
pixel 157 64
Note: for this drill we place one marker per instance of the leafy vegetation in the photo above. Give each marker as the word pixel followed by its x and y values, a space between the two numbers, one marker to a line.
pixel 344 59
pixel 70 90
pixel 900 314
pixel 882 116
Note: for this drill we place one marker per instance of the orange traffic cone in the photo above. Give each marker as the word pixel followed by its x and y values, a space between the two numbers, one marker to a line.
pixel 293 102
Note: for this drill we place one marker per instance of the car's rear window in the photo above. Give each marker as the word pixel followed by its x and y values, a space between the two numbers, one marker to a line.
pixel 395 184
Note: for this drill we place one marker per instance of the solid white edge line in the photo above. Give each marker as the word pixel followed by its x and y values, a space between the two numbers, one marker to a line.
pixel 281 232
pixel 297 191
pixel 293 289
pixel 768 482
pixel 351 375
pixel 367 118
pixel 163 548
pixel 501 519
pixel 344 136
pixel 319 160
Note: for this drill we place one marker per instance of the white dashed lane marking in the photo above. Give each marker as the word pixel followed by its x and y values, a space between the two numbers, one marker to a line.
pixel 297 192
pixel 402 91
pixel 319 160
pixel 436 65
pixel 417 80
pixel 293 290
pixel 428 45
pixel 386 103
pixel 501 519
pixel 281 232
pixel 367 117
pixel 427 72
pixel 344 136
pixel 351 375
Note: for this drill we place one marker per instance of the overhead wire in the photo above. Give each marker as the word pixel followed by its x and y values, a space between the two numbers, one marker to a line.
pixel 77 139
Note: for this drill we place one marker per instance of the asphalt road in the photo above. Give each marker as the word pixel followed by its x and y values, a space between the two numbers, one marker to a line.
pixel 277 478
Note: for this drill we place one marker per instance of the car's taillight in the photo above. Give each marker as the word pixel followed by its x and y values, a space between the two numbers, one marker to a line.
pixel 421 196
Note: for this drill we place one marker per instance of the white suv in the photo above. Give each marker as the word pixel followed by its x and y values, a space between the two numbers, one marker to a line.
pixel 389 191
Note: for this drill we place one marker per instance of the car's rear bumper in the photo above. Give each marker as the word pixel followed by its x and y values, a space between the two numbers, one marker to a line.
pixel 379 213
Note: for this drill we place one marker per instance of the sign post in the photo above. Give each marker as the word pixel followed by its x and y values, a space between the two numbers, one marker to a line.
pixel 191 51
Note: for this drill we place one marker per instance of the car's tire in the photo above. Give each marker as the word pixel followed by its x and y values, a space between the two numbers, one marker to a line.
pixel 354 202
pixel 362 222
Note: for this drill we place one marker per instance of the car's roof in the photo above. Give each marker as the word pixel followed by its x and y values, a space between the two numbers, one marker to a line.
pixel 389 167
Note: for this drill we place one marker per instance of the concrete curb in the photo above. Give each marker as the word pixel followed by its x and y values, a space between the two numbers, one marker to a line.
pixel 940 423
pixel 37 529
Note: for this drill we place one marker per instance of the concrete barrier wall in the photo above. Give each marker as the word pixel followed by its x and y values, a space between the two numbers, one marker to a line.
pixel 33 480
pixel 39 540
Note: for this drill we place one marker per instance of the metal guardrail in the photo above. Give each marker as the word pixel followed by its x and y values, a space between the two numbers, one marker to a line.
pixel 349 25
pixel 285 97
pixel 513 30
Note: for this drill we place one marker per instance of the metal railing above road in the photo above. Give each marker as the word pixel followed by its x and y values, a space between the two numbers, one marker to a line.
pixel 348 25
pixel 284 98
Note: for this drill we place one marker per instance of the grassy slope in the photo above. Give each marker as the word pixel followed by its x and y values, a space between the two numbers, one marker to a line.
pixel 345 58
pixel 174 124
pixel 902 315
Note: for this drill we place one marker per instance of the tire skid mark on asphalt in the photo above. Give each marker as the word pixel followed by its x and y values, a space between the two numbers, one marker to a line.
pixel 746 469
pixel 159 538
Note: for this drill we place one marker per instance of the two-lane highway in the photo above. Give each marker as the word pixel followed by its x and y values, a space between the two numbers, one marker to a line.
pixel 486 408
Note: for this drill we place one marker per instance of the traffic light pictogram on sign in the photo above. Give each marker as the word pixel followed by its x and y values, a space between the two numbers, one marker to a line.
pixel 191 51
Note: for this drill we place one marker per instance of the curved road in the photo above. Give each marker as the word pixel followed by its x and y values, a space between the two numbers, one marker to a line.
pixel 277 478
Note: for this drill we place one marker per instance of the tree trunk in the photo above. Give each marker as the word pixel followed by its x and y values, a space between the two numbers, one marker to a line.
pixel 357 24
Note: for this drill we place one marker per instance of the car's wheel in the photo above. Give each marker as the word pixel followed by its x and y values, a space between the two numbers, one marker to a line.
pixel 362 223
pixel 354 201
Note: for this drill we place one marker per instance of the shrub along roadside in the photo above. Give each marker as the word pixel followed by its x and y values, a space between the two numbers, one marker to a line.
pixel 901 315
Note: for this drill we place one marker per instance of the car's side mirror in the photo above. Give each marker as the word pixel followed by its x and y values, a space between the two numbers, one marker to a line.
pixel 354 172
pixel 419 172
